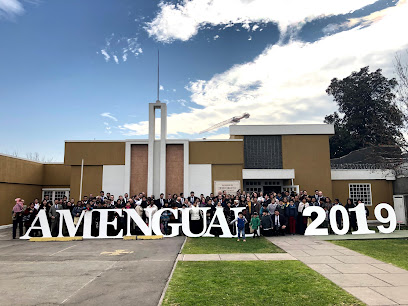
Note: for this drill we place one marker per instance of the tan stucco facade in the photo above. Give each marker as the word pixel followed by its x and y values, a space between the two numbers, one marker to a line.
pixel 95 153
pixel 226 173
pixel 381 191
pixel 309 155
pixel 216 152
pixel 25 179
pixel 92 181
pixel 225 157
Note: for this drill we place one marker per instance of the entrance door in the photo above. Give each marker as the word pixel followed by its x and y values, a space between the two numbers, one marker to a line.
pixel 291 188
pixel 269 189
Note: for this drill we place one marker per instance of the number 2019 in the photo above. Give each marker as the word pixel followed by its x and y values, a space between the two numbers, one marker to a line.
pixel 359 210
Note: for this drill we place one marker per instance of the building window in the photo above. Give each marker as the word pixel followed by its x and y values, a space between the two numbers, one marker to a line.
pixel 55 193
pixel 360 192
pixel 263 152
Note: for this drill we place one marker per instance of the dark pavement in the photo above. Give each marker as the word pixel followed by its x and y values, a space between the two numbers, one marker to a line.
pixel 79 272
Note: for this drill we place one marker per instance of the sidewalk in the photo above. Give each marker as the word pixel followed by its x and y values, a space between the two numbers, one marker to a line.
pixel 372 281
pixel 393 235
pixel 235 257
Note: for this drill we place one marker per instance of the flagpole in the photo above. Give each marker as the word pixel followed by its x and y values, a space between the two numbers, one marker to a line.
pixel 82 177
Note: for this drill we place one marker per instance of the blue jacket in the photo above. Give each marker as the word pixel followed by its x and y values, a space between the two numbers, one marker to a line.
pixel 291 211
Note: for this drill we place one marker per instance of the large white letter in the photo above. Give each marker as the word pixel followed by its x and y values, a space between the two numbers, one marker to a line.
pixel 133 215
pixel 185 216
pixel 392 218
pixel 44 227
pixel 312 229
pixel 87 225
pixel 103 223
pixel 219 213
pixel 174 226
pixel 72 229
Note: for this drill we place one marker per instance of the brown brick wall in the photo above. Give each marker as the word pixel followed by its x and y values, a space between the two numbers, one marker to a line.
pixel 138 168
pixel 174 168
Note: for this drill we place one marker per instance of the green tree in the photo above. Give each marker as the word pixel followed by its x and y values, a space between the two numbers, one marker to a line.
pixel 368 114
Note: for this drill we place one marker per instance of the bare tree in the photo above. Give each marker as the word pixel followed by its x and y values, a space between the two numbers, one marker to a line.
pixel 33 156
pixel 401 69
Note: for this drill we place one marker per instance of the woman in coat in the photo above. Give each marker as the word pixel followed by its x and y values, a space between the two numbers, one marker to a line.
pixel 352 214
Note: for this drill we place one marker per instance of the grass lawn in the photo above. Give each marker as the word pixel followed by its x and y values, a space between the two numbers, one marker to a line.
pixel 217 245
pixel 393 251
pixel 252 283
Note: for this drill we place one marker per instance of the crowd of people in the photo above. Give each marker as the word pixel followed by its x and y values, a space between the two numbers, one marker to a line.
pixel 262 214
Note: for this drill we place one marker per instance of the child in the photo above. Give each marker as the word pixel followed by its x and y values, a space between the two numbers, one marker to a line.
pixel 255 222
pixel 241 221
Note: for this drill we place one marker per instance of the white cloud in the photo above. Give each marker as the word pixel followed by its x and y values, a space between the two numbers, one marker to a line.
pixel 217 136
pixel 108 115
pixel 105 55
pixel 161 87
pixel 216 37
pixel 120 47
pixel 174 90
pixel 287 83
pixel 183 20
pixel 10 8
pixel 250 37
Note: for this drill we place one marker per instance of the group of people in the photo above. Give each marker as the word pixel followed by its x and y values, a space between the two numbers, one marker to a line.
pixel 265 214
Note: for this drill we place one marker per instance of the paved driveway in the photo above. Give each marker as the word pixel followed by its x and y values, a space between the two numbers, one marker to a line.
pixel 89 272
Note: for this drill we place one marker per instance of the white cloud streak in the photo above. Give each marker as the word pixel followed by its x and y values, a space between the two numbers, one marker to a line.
pixel 120 48
pixel 105 55
pixel 287 83
pixel 108 115
pixel 10 8
pixel 183 20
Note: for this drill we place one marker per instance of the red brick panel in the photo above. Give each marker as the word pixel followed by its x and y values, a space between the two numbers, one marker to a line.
pixel 138 168
pixel 174 168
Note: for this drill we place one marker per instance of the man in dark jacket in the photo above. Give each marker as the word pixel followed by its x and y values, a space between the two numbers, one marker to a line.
pixel 266 223
pixel 160 201
pixel 279 224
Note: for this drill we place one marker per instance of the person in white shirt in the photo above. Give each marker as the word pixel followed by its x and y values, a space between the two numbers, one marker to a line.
pixel 36 204
pixel 153 208
pixel 195 217
pixel 302 221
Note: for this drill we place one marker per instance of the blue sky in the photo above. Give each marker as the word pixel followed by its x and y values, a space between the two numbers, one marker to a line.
pixel 87 69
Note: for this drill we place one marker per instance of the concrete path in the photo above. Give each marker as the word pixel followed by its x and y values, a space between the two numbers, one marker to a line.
pixel 372 281
pixel 395 234
pixel 235 257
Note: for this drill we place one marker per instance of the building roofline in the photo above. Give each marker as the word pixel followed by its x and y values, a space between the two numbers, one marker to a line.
pixel 21 158
pixel 282 129
pixel 146 140
pixel 95 140
pixel 195 140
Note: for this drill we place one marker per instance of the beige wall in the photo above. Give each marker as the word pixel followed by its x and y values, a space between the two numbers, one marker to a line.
pixel 309 155
pixel 226 173
pixel 15 170
pixel 25 179
pixel 95 153
pixel 226 158
pixel 381 192
pixel 92 181
pixel 216 152
pixel 8 192
pixel 56 175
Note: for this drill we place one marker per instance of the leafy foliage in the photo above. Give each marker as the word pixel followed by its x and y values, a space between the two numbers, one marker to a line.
pixel 369 114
